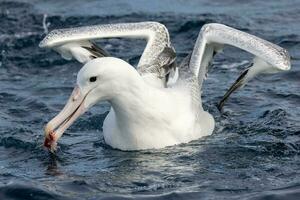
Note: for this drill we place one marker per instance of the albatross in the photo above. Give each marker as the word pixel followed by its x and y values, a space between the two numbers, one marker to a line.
pixel 158 103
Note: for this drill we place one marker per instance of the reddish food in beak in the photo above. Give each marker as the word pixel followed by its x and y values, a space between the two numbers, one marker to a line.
pixel 57 126
pixel 49 140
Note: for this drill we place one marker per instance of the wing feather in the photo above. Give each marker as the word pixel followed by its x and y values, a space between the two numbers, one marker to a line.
pixel 213 36
pixel 268 57
pixel 156 58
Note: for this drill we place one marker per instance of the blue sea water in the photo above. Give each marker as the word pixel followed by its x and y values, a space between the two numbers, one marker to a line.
pixel 252 154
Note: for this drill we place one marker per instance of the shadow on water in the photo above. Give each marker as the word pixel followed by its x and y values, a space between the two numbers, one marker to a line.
pixel 52 167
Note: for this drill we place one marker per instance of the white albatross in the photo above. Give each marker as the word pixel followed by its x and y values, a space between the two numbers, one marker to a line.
pixel 158 104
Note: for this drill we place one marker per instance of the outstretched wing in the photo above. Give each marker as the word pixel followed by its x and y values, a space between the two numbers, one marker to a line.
pixel 156 59
pixel 269 58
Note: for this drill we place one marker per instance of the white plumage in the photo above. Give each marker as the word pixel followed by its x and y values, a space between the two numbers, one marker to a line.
pixel 158 104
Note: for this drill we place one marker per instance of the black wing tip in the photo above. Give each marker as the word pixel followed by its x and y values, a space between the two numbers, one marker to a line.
pixel 96 51
pixel 236 85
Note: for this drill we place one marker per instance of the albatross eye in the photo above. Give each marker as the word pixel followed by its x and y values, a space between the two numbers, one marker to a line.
pixel 93 79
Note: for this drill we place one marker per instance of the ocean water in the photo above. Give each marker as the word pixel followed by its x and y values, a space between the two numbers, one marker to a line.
pixel 252 154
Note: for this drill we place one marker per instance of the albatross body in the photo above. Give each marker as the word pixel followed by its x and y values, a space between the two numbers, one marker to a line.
pixel 144 116
pixel 159 103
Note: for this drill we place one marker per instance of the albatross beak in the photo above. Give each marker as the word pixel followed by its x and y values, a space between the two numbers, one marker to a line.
pixel 57 126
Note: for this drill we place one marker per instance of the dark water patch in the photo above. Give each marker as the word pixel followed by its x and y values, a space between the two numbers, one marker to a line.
pixel 80 186
pixel 11 142
pixel 288 41
pixel 25 192
pixel 290 193
pixel 293 76
pixel 13 13
pixel 187 26
pixel 94 122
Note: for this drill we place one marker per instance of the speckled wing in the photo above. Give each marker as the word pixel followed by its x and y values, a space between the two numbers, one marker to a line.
pixel 268 57
pixel 158 53
pixel 213 36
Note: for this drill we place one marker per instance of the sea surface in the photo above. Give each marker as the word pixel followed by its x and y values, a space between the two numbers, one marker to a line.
pixel 254 152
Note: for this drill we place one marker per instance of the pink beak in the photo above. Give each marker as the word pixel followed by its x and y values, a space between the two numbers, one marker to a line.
pixel 57 126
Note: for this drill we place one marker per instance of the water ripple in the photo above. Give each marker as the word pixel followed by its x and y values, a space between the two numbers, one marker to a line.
pixel 253 153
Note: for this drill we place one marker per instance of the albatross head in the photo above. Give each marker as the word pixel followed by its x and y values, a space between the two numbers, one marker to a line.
pixel 98 80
